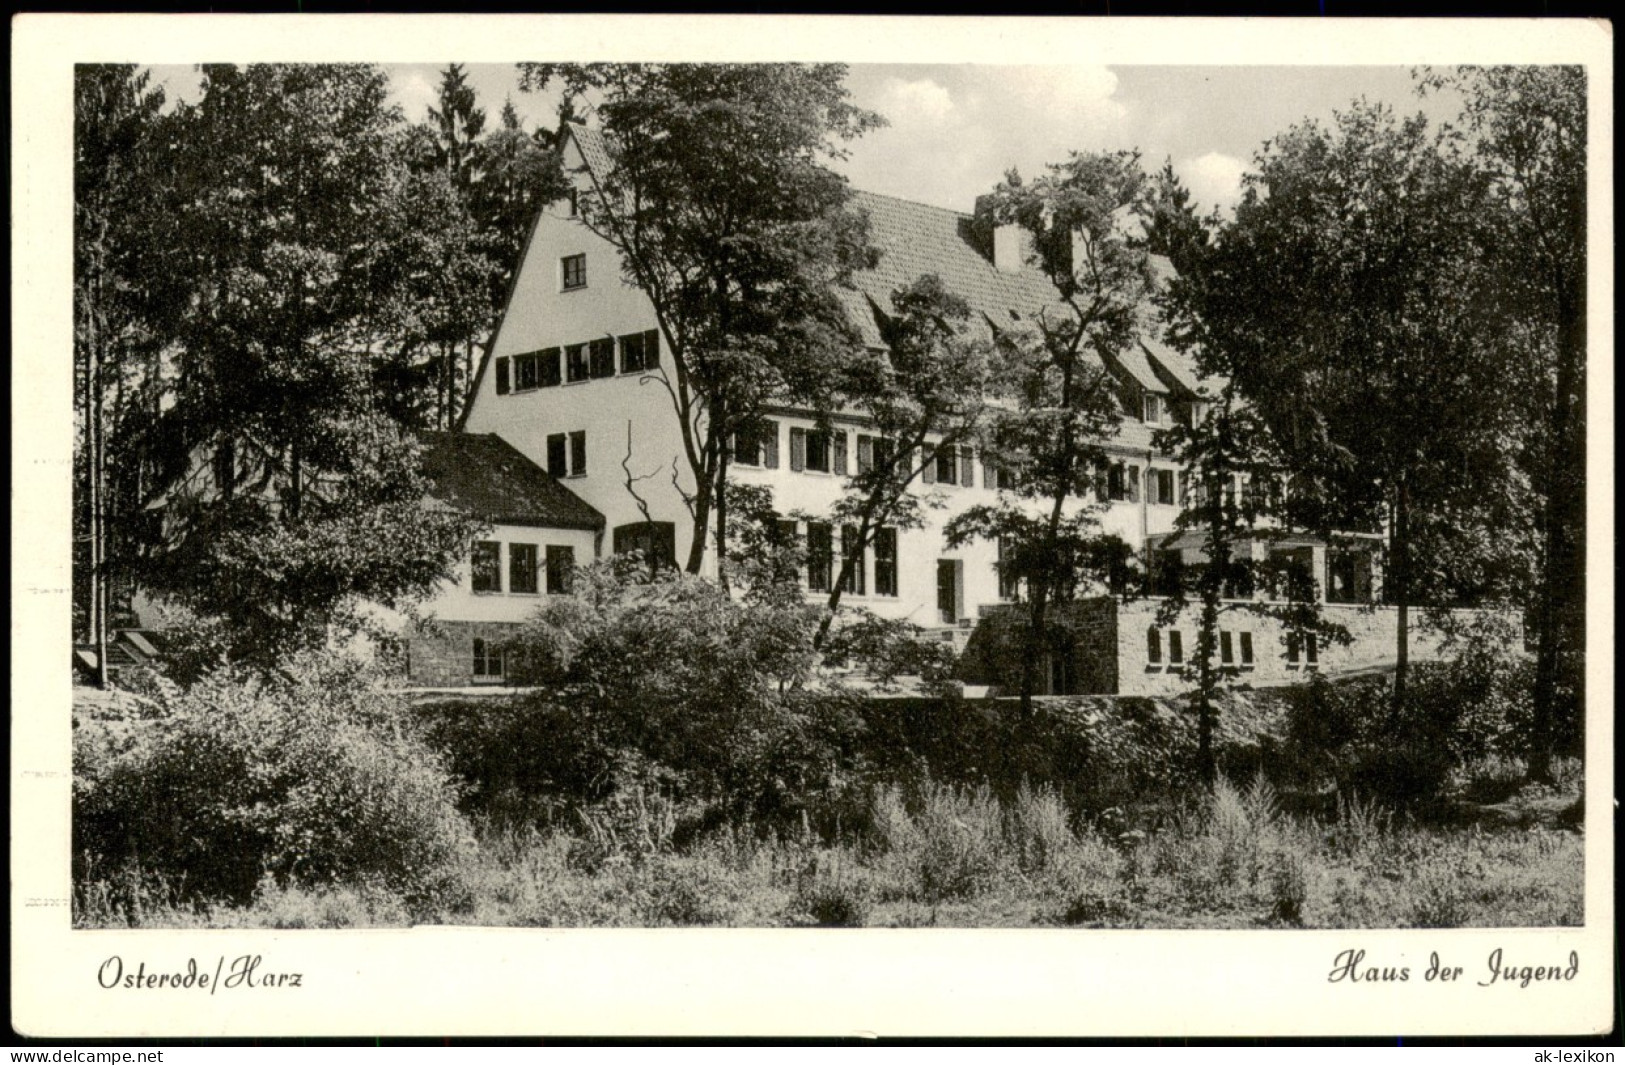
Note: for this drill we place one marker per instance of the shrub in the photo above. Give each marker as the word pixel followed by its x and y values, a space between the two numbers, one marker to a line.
pixel 311 775
pixel 830 893
pixel 668 670
pixel 950 849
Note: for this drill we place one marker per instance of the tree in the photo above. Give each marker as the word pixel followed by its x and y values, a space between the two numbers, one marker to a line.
pixel 930 383
pixel 1529 126
pixel 1345 300
pixel 310 496
pixel 1062 399
pixel 724 213
pixel 117 123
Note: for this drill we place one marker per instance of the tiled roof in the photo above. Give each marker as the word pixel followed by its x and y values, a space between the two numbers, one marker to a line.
pixel 594 149
pixel 485 475
pixel 915 239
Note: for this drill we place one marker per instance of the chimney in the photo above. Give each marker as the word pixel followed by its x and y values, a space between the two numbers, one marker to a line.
pixel 1007 244
pixel 1009 241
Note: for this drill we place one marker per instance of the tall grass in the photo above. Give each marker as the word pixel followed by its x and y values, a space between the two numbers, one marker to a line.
pixel 941 855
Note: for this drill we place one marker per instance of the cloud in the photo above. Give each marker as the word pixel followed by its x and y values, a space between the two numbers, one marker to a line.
pixel 922 101
pixel 415 91
pixel 1214 180
pixel 956 130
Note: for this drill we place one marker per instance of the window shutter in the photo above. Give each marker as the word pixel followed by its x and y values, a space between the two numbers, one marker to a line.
pixel 1133 484
pixel 838 437
pixel 990 479
pixel 866 453
pixel 651 349
pixel 502 376
pixel 770 445
pixel 929 473
pixel 798 449
pixel 967 468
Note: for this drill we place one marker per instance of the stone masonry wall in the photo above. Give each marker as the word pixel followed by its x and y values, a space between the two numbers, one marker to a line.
pixel 441 654
pixel 1372 631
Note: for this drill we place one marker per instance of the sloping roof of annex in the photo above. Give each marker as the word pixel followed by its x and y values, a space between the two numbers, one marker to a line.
pixel 486 476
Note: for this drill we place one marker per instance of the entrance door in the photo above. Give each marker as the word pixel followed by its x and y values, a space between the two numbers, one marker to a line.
pixel 948 590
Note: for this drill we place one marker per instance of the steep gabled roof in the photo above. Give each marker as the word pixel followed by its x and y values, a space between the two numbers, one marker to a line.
pixel 913 240
pixel 486 476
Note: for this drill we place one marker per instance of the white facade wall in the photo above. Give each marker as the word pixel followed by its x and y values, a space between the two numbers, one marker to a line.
pixel 456 600
pixel 631 419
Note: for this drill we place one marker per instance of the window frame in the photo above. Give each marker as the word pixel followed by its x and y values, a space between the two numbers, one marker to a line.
pixel 573 272
pixel 577 364
pixel 559 565
pixel 1153 409
pixel 519 570
pixel 887 577
pixel 485 653
pixel 820 556
pixel 489 568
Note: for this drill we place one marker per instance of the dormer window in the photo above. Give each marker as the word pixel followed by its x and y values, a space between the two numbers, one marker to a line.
pixel 1153 409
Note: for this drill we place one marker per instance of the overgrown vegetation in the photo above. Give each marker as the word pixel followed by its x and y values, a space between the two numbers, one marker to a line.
pixel 313 796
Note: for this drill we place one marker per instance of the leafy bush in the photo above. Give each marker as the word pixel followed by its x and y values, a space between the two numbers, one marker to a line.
pixel 1455 713
pixel 311 775
pixel 666 670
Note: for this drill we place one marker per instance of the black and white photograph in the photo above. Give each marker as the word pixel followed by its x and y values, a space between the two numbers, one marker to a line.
pixel 903 502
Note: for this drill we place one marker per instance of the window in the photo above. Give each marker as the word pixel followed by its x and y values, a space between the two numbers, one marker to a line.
pixel 818 452
pixel 576 366
pixel 487 566
pixel 601 357
pixel 1246 650
pixel 886 561
pixel 657 540
pixel 874 453
pixel 1153 647
pixel 1009 584
pixel 1176 649
pixel 1153 409
pixel 573 207
pixel 947 464
pixel 548 361
pixel 502 376
pixel 487 661
pixel 573 269
pixel 1311 649
pixel 820 555
pixel 1227 650
pixel 1167 572
pixel 578 453
pixel 225 469
pixel 522 568
pixel 640 351
pixel 758 445
pixel 1292 574
pixel 821 452
pixel 561 561
pixel 1120 483
pixel 852 553
pixel 1160 485
pixel 526 371
pixel 557 456
pixel 1347 580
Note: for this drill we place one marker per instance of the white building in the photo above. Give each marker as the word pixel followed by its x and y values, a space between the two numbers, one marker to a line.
pixel 575 380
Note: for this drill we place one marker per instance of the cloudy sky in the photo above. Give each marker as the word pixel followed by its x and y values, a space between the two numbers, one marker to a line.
pixel 955 129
